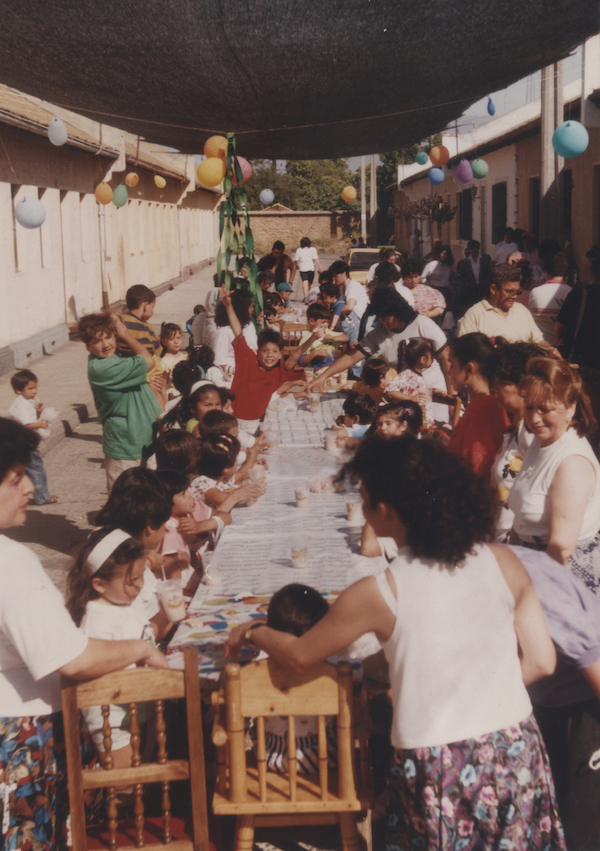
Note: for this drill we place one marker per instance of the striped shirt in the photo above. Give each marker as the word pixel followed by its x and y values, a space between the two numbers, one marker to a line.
pixel 142 331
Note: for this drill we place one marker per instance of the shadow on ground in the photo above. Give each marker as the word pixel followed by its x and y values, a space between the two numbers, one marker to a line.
pixel 53 531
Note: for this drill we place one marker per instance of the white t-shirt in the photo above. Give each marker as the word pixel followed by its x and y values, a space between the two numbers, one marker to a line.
pixel 371 272
pixel 37 635
pixel 405 292
pixel 387 341
pixel 502 251
pixel 23 410
pixel 357 292
pixel 147 600
pixel 224 354
pixel 306 258
pixel 545 303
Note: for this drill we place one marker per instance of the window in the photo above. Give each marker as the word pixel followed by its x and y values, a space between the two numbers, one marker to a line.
pixel 498 212
pixel 466 215
pixel 534 205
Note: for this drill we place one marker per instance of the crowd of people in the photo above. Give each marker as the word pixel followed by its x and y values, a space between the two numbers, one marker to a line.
pixel 489 525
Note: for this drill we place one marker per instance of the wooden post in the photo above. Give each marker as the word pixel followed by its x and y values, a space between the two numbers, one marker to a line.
pixel 363 200
pixel 373 204
pixel 551 207
pixel 235 733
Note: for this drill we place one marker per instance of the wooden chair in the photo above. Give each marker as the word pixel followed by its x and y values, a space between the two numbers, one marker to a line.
pixel 453 402
pixel 291 333
pixel 263 798
pixel 133 687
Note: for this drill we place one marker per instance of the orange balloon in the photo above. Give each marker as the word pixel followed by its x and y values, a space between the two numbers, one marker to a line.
pixel 439 155
pixel 348 194
pixel 103 193
pixel 132 179
pixel 160 181
pixel 216 146
pixel 210 172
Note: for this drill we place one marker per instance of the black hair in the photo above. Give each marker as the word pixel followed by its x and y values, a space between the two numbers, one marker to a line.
pixel 17 444
pixel 278 245
pixel 329 289
pixel 337 267
pixel 185 409
pixel 411 267
pixel 445 507
pixel 547 247
pixel 240 302
pixel 295 609
pixel 137 295
pixel 362 406
pixel 178 450
pixel 373 371
pixel 556 265
pixel 305 242
pixel 173 482
pixel 386 274
pixel 217 421
pixel 226 396
pixel 79 581
pixel 503 273
pixel 437 253
pixel 387 302
pixel 202 356
pixel 217 452
pixel 184 375
pixel 473 243
pixel 411 351
pixel 167 332
pixel 137 499
pixel 404 411
pixel 21 379
pixel 269 335
pixel 475 347
pixel 508 362
pixel 325 277
pixel 198 308
pixel 318 311
pixel 265 276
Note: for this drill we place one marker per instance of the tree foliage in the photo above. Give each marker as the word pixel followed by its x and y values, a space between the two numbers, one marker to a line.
pixel 305 184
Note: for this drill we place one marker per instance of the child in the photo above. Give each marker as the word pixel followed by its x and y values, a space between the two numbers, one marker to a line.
pixel 227 399
pixel 171 338
pixel 285 293
pixel 414 356
pixel 141 302
pixel 198 309
pixel 257 376
pixel 216 468
pixel 400 417
pixel 359 413
pixel 27 410
pixel 202 396
pixel 204 357
pixel 175 545
pixel 222 422
pixel 105 579
pixel 375 377
pixel 266 280
pixel 126 406
pixel 322 343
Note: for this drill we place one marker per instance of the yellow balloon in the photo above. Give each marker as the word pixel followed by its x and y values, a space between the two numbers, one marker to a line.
pixel 103 193
pixel 216 146
pixel 439 155
pixel 211 171
pixel 160 181
pixel 348 194
pixel 132 179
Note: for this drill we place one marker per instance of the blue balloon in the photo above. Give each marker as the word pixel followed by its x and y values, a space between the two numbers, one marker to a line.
pixel 570 139
pixel 436 176
pixel 491 108
pixel 422 157
pixel 30 213
pixel 266 197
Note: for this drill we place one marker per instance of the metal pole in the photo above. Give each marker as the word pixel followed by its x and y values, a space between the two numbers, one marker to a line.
pixel 102 227
pixel 363 201
pixel 551 164
pixel 373 204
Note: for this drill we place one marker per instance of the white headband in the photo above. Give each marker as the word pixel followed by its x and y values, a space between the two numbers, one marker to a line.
pixel 203 383
pixel 106 548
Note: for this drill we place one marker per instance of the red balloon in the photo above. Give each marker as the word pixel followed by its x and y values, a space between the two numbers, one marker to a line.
pixel 246 170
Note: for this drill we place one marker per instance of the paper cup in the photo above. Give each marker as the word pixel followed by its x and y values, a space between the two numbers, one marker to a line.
pixel 309 373
pixel 299 554
pixel 354 510
pixel 330 441
pixel 313 401
pixel 301 495
pixel 170 594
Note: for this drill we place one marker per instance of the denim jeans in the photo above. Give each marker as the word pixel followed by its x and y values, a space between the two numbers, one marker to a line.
pixel 36 472
pixel 350 327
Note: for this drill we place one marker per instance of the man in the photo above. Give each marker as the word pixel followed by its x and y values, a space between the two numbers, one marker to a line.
pixel 577 324
pixel 356 297
pixel 503 249
pixel 501 315
pixel 546 300
pixel 473 274
pixel 277 262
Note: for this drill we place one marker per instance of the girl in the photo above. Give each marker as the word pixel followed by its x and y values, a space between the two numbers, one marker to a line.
pixel 171 338
pixel 216 468
pixel 202 396
pixel 414 356
pixel 204 357
pixel 107 576
pixel 399 418
pixel 243 306
pixel 478 435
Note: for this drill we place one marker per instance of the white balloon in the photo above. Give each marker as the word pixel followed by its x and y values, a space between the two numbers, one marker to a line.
pixel 266 197
pixel 57 132
pixel 30 213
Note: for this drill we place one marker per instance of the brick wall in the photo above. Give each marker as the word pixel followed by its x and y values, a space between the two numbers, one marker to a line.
pixel 290 227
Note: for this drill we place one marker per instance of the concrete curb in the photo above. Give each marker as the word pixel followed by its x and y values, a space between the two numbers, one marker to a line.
pixel 67 421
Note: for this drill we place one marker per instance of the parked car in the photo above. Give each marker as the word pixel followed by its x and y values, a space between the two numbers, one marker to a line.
pixel 360 261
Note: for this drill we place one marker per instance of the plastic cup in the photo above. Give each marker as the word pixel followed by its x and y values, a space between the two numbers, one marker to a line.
pixel 271 440
pixel 354 510
pixel 299 554
pixel 301 495
pixel 170 594
pixel 330 441
pixel 313 401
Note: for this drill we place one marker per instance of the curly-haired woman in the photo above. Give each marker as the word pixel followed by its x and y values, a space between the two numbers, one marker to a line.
pixel 463 633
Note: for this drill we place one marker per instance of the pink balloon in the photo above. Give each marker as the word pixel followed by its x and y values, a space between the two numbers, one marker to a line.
pixel 464 172
pixel 246 171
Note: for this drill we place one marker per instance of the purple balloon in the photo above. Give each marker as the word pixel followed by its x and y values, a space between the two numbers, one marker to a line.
pixel 464 172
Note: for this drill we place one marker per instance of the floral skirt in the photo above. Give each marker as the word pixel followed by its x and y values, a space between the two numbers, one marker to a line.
pixel 584 563
pixel 492 792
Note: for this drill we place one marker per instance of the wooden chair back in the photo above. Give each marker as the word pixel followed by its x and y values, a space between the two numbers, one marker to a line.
pixel 291 333
pixel 132 687
pixel 260 796
pixel 453 402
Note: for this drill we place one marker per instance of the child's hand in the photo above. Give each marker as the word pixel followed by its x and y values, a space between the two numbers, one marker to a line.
pixel 42 424
pixel 225 296
pixel 183 559
pixel 341 438
pixel 153 658
pixel 262 462
pixel 261 442
pixel 224 515
pixel 158 382
pixel 156 560
pixel 339 422
pixel 188 526
pixel 39 407
pixel 119 327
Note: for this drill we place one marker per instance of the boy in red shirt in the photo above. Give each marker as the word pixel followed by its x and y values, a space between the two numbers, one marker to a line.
pixel 257 375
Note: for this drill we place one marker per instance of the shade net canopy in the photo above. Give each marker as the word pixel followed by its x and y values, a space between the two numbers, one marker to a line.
pixel 293 79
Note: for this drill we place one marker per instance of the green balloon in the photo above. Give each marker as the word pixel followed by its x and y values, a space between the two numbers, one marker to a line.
pixel 120 196
pixel 480 168
pixel 422 157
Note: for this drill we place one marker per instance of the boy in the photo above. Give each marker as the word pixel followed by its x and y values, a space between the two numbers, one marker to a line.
pixel 257 376
pixel 26 410
pixel 198 309
pixel 141 302
pixel 359 413
pixel 266 279
pixel 285 292
pixel 126 406
pixel 323 343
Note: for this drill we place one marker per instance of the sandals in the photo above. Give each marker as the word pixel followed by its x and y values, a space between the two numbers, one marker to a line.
pixel 51 501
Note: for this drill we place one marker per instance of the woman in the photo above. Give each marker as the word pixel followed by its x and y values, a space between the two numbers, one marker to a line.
pixel 243 305
pixel 38 641
pixel 428 301
pixel 462 631
pixel 438 272
pixel 556 496
pixel 306 259
pixel 479 433
pixel 507 369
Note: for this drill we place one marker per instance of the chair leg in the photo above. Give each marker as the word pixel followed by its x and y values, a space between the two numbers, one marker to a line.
pixel 244 834
pixel 349 832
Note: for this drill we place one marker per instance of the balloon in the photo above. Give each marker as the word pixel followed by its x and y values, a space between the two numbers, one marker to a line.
pixel 570 139
pixel 439 155
pixel 132 179
pixel 480 168
pixel 266 197
pixel 216 146
pixel 348 194
pixel 30 212
pixel 246 171
pixel 120 195
pixel 436 176
pixel 57 132
pixel 464 172
pixel 422 157
pixel 103 193
pixel 160 181
pixel 491 107
pixel 211 171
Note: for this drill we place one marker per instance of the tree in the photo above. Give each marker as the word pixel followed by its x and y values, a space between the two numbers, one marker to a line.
pixel 305 184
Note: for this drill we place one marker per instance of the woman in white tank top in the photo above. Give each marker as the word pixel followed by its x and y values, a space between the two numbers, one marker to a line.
pixel 463 633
